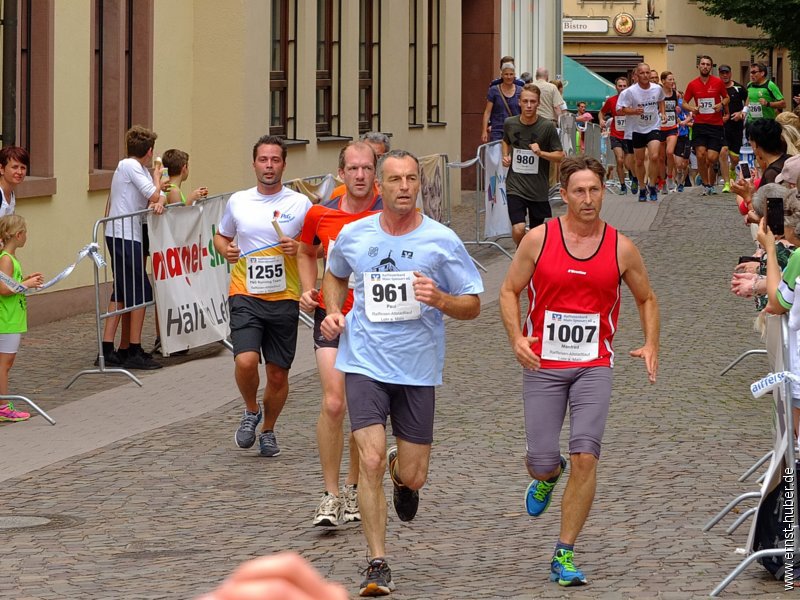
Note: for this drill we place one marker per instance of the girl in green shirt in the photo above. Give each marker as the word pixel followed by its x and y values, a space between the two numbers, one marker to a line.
pixel 13 307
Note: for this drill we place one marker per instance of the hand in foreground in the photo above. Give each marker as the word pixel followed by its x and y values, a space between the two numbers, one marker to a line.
pixel 284 576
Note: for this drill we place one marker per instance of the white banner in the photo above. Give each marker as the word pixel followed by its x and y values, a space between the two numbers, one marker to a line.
pixel 191 277
pixel 496 221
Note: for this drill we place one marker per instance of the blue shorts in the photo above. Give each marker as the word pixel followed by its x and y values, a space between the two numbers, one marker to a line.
pixel 131 283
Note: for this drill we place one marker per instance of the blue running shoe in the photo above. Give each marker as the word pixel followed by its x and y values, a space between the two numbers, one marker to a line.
pixel 539 493
pixel 564 571
pixel 642 195
pixel 653 193
pixel 680 187
pixel 634 186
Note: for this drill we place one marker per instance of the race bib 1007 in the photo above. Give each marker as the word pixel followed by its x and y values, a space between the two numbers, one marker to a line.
pixel 389 296
pixel 570 336
pixel 265 274
pixel 525 162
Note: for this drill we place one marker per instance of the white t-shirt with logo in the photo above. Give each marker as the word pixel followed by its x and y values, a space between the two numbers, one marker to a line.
pixel 636 96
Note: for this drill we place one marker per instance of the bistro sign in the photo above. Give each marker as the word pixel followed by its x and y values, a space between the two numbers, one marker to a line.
pixel 585 25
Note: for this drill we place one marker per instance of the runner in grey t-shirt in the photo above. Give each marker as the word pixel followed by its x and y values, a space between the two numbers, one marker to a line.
pixel 530 144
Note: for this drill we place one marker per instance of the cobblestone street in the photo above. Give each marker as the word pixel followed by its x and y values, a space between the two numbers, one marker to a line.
pixel 165 506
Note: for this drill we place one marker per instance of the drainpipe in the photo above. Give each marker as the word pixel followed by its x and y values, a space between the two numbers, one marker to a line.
pixel 559 39
pixel 9 24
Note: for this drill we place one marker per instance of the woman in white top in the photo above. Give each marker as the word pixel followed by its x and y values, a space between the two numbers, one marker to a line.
pixel 14 163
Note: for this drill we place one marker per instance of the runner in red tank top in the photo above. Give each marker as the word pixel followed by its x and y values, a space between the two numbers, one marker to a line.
pixel 322 224
pixel 572 268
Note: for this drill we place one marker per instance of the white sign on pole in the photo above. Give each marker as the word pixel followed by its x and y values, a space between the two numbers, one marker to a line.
pixel 191 277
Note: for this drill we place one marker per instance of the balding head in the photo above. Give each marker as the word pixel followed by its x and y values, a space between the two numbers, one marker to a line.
pixel 542 73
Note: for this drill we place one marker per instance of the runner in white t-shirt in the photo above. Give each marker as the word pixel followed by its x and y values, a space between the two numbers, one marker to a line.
pixel 643 105
pixel 265 288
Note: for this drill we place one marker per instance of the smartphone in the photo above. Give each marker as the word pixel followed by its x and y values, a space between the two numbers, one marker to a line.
pixel 744 168
pixel 747 259
pixel 775 215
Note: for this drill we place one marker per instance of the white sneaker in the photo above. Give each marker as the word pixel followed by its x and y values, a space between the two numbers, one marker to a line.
pixel 329 511
pixel 350 501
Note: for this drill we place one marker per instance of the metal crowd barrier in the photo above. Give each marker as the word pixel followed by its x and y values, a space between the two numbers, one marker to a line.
pixel 480 195
pixel 103 279
pixel 30 403
pixel 784 427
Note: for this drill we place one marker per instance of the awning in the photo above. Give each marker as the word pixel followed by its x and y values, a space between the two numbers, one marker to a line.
pixel 582 84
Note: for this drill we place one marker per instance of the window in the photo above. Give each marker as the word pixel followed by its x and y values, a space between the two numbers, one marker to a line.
pixel 413 6
pixel 34 111
pixel 122 80
pixel 368 57
pixel 328 57
pixel 282 69
pixel 434 57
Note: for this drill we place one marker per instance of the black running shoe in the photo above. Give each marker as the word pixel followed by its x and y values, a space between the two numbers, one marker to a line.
pixel 378 580
pixel 405 500
pixel 141 360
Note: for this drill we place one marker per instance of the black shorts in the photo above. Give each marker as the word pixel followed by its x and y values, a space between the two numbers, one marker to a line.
pixel 519 209
pixel 640 140
pixel 733 136
pixel 131 283
pixel 683 147
pixel 665 133
pixel 411 407
pixel 268 327
pixel 626 145
pixel 320 341
pixel 710 137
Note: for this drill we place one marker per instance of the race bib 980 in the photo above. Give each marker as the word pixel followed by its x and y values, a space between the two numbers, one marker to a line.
pixel 525 162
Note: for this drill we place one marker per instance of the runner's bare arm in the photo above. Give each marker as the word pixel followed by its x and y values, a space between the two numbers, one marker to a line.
pixel 335 291
pixel 464 307
pixel 634 274
pixel 307 268
pixel 226 246
pixel 518 276
pixel 506 153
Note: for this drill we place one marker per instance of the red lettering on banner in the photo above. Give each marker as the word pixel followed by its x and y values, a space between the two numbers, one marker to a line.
pixel 177 261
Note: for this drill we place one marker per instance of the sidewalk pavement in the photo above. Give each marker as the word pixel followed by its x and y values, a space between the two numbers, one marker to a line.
pixel 147 496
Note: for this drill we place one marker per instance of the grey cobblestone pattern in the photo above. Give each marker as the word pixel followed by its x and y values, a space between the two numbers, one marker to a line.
pixel 169 511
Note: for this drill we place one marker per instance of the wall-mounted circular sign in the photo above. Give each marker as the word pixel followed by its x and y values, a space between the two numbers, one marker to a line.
pixel 624 24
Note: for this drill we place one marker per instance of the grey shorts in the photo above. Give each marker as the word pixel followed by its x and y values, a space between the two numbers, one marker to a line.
pixel 546 394
pixel 370 402
pixel 266 327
